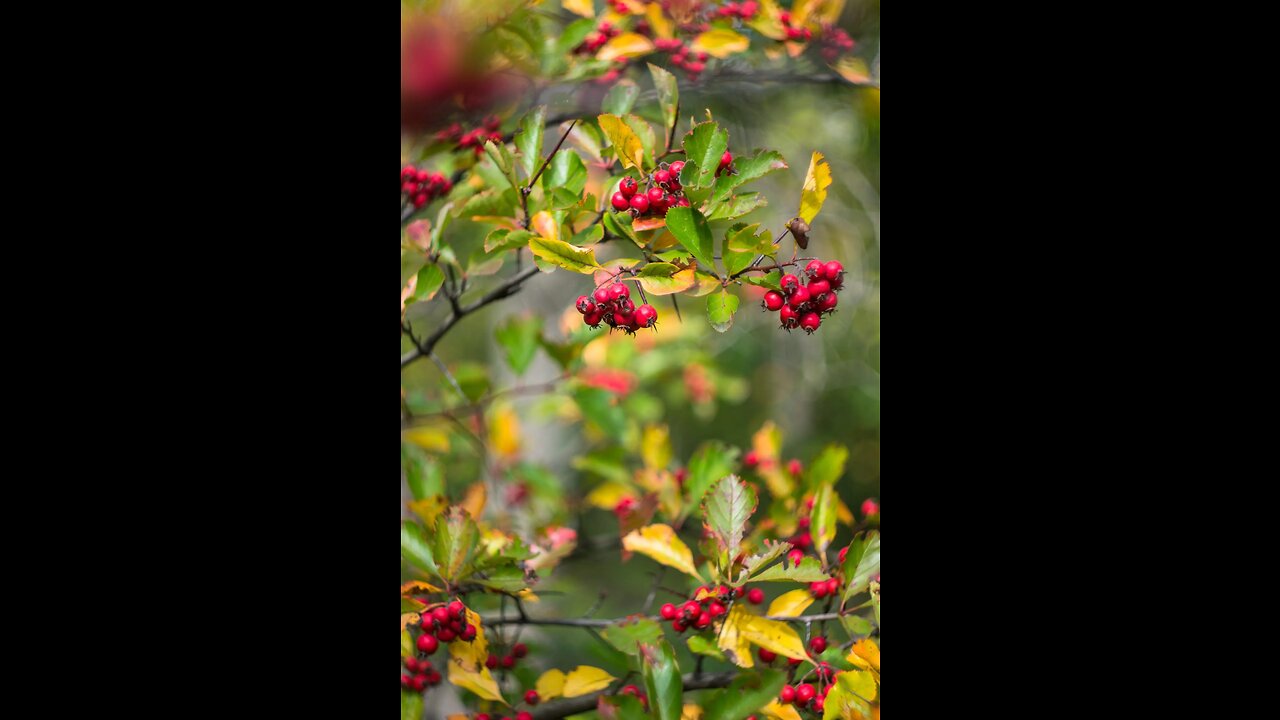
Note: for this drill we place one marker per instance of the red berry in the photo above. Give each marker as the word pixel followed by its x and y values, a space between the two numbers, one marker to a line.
pixel 802 541
pixel 623 319
pixel 787 695
pixel 703 620
pixel 844 551
pixel 602 295
pixel 726 160
pixel 457 609
pixel 679 625
pixel 482 716
pixel 419 682
pixel 676 168
pixel 620 202
pixel 662 177
pixel 408 173
pixel 508 661
pixel 833 586
pixel 440 615
pixel 789 320
pixel 427 643
pixel 640 203
pixel 818 644
pixel 593 318
pixel 717 609
pixel 434 678
pixel 793 661
pixel 628 188
pixel 772 300
pixel 491 662
pixel 818 287
pixel 646 316
pixel 695 68
pixel 755 596
pixel 799 296
pixel 409 188
pixel 406 682
pixel 519 650
pixel 796 469
pixel 692 608
pixel 524 715
pixel 820 704
pixel 790 283
pixel 805 693
pixel 803 523
pixel 659 206
pixel 832 270
pixel 584 304
pixel 819 589
pixel 810 322
pixel 827 302
pixel 870 507
pixel 630 690
pixel 785 17
pixel 681 202
pixel 411 664
pixel 767 656
pixel 669 611
pixel 420 199
pixel 531 697
pixel 468 633
pixel 446 635
pixel 751 459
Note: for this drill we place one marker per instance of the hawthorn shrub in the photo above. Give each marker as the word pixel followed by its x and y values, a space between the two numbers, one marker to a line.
pixel 756 588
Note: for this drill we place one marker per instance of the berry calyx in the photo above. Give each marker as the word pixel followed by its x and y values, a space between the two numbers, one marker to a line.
pixel 428 643
pixel 531 697
pixel 620 202
pixel 773 300
pixel 789 319
pixel 814 269
pixel 818 644
pixel 755 596
pixel 789 283
pixel 627 187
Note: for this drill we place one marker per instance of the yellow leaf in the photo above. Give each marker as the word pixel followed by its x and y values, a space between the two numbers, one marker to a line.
pixel 458 716
pixel 861 684
pixel 479 682
pixel 658 21
pixel 865 654
pixel 429 508
pixel 830 11
pixel 407 619
pixel 417 586
pixel 852 69
pixel 772 635
pixel 585 679
pixel 661 543
pixel 626 143
pixel 814 192
pixel 473 501
pixel 801 10
pixel 720 43
pixel 843 513
pixel 731 643
pixel 504 433
pixel 791 604
pixel 551 684
pixel 606 496
pixel 579 7
pixel 626 45
pixel 778 711
pixel 545 225
pixel 470 655
pixel 655 446
pixel 432 438
pixel 691 712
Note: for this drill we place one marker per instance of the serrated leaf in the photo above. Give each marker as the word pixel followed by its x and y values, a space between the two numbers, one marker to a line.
pixel 758 562
pixel 662 680
pixel 550 684
pixel 563 255
pixel 868 567
pixel 745 695
pixel 690 228
pixel 725 512
pixel 589 235
pixel 865 654
pixel 415 546
pixel 704 145
pixel 720 43
pixel 827 467
pixel 704 283
pixel 621 97
pixel 625 45
pixel 737 206
pixel 623 139
pixel 648 223
pixel 661 544
pixel 668 90
pixel 455 541
pixel 502 157
pixel 628 635
pixel 504 239
pixel 814 192
pixel 585 679
pixel 720 310
pixel 748 169
pixel 741 246
pixel 822 518
pixel 566 170
pixel 528 139
pixel 769 280
pixel 430 280
pixel 702 646
pixel 665 279
pixel 648 140
pixel 773 635
pixel 806 572
pixel 791 604
pixel 480 681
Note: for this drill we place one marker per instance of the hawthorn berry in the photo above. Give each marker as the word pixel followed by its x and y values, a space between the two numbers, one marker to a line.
pixel 584 304
pixel 805 693
pixel 799 296
pixel 446 635
pixel 692 608
pixel 508 662
pixel 703 621
pixel 788 695
pixel 662 177
pixel 524 715
pixel 456 609
pixel 716 609
pixel 810 322
pixel 593 318
pixel 789 283
pixel 428 643
pixel 796 468
pixel 795 556
pixel 531 697
pixel 468 633
pixel 627 187
pixel 818 644
pixel 870 507
pixel 751 459
pixel 620 202
pixel 679 625
pixel 819 705
pixel 827 302
pixel 434 678
pixel 624 506
pixel 482 716
pixel 676 168
pixel 411 664
pixel 788 317
pixel 794 661
pixel 681 202
pixel 755 596
pixel 640 203
pixel 726 160
pixel 669 611
pixel 767 655
pixel 832 270
pixel 773 300
pixel 519 650
pixel 833 586
pixel 646 316
pixel 818 589
pixel 602 295
pixel 818 287
pixel 491 662
pixel 419 682
pixel 629 690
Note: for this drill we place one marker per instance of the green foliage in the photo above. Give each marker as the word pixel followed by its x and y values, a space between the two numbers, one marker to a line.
pixel 720 309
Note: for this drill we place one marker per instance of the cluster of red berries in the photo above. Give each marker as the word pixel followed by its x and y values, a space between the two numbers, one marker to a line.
pixel 804 305
pixel 700 614
pixel 663 192
pixel 683 56
pixel 595 41
pixel 445 624
pixel 620 7
pixel 475 138
pixel 794 33
pixel 805 695
pixel 419 675
pixel 508 661
pixel 421 187
pixel 612 305
pixel 746 10
pixel 834 42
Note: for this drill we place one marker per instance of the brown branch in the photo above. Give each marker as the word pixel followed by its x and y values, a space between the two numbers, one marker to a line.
pixel 510 287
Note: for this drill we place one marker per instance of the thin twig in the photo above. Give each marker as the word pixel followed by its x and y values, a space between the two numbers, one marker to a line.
pixel 538 174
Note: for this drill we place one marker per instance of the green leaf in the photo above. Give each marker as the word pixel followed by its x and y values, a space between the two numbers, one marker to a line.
pixel 411 261
pixel 807 571
pixel 423 473
pixel 720 310
pixel 855 625
pixel 741 246
pixel 738 206
pixel 868 567
pixel 573 35
pixel 563 198
pixel 747 694
pixel 501 157
pixel 519 338
pixel 565 170
pixel 489 203
pixel 712 461
pixel 626 144
pixel 415 547
pixel 528 139
pixel 619 224
pixel 473 379
pixel 769 280
pixel 598 406
pixel 664 279
pixel 725 512
pixel 875 599
pixel 406 645
pixel 662 680
pixel 589 235
pixel 822 518
pixel 690 228
pixel 668 95
pixel 702 646
pixel 626 707
pixel 455 542
pixel 622 96
pixel 507 578
pixel 749 169
pixel 504 239
pixel 430 279
pixel 563 255
pixel 704 145
pixel 410 705
pixel 827 467
pixel 758 562
pixel 627 636
pixel 644 131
